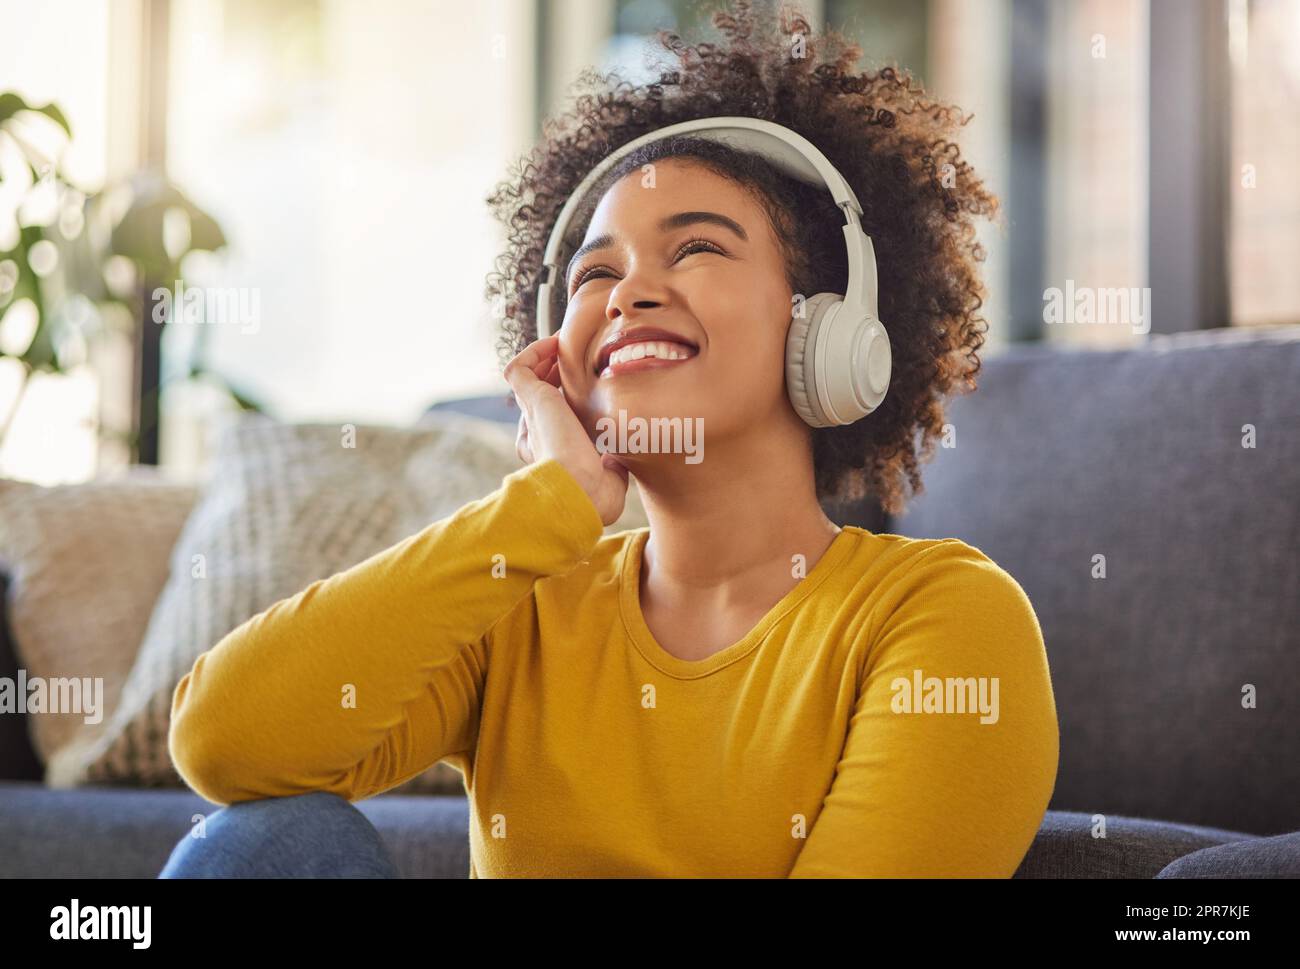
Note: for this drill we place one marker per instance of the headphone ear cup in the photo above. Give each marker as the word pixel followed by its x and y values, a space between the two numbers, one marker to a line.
pixel 800 361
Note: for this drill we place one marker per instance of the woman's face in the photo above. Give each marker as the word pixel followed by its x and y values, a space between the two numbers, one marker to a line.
pixel 727 295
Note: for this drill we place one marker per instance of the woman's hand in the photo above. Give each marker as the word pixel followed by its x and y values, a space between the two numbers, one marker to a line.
pixel 548 428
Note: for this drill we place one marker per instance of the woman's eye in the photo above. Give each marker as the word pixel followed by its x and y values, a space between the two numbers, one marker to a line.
pixel 586 274
pixel 695 245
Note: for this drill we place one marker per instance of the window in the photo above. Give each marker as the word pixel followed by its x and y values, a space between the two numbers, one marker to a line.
pixel 1135 144
pixel 1096 165
pixel 1265 194
pixel 53 52
pixel 340 148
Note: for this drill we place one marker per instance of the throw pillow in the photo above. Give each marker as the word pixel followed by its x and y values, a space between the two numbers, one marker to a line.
pixel 86 564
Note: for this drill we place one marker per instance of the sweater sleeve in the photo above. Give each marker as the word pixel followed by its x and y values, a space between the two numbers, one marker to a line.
pixel 926 789
pixel 337 688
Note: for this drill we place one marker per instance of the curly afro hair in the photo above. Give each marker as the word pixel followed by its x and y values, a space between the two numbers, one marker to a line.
pixel 879 129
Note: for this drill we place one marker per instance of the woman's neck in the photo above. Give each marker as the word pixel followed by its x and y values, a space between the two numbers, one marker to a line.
pixel 727 529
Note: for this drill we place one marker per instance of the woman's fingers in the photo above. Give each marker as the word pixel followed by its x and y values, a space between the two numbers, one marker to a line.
pixel 522 447
pixel 546 422
pixel 537 363
pixel 536 358
pixel 526 371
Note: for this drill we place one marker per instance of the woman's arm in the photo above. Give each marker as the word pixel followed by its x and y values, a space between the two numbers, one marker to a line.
pixel 941 793
pixel 370 676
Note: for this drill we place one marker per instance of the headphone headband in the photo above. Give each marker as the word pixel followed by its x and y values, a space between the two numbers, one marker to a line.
pixel 788 150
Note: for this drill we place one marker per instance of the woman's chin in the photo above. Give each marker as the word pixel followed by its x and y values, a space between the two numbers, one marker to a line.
pixel 647 433
pixel 635 398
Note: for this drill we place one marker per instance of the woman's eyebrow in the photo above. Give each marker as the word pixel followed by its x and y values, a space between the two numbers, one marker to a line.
pixel 667 223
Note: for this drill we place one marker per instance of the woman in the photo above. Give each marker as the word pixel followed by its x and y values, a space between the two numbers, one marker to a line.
pixel 743 688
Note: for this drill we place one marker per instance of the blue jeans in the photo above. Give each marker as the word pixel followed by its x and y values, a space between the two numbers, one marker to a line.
pixel 316 835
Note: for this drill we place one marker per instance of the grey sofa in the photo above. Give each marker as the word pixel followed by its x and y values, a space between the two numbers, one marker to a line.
pixel 1061 456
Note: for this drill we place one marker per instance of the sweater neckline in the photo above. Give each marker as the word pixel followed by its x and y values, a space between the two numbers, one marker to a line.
pixel 646 644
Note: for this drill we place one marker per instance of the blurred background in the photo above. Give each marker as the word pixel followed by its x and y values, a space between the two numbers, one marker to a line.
pixel 322 166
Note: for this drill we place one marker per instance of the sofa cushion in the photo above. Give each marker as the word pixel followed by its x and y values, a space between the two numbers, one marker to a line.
pixel 1275 857
pixel 1175 466
pixel 113 833
pixel 86 563
pixel 1069 845
pixel 104 832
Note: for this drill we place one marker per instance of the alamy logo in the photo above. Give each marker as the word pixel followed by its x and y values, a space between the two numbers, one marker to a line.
pixel 1125 306
pixel 658 435
pixel 72 923
pixel 84 694
pixel 953 694
pixel 229 306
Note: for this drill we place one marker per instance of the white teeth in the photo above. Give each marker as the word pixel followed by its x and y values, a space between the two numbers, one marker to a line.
pixel 659 349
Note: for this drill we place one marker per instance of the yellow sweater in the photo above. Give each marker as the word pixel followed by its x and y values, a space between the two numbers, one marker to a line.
pixel 508 640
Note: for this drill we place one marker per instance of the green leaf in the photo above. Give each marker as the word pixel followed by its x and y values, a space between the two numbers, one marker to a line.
pixel 139 235
pixel 245 402
pixel 52 112
pixel 205 234
pixel 11 104
pixel 40 354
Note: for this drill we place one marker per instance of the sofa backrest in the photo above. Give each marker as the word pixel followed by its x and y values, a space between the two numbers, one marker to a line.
pixel 1177 466
pixel 1135 455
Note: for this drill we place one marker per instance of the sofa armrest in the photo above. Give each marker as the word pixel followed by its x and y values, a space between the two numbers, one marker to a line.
pixel 1273 857
pixel 1132 847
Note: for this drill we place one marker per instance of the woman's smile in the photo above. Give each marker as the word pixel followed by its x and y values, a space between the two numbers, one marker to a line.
pixel 646 356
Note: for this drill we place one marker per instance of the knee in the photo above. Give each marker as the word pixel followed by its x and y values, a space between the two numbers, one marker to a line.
pixel 313 835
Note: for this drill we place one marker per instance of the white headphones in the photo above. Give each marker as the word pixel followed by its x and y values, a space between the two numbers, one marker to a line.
pixel 837 359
